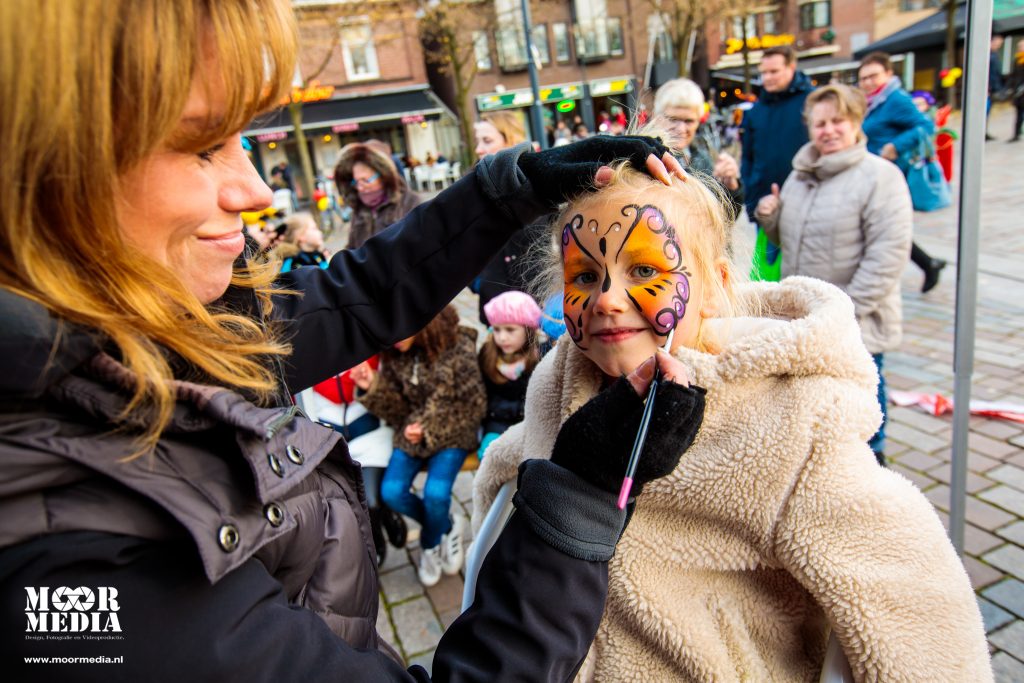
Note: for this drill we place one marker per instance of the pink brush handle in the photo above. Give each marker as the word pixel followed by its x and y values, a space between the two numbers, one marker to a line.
pixel 627 485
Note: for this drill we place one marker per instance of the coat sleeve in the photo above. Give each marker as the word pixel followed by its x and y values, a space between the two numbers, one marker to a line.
pixel 867 545
pixel 913 123
pixel 394 284
pixel 458 403
pixel 887 226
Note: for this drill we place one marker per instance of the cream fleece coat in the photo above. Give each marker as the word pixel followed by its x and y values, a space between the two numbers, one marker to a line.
pixel 778 521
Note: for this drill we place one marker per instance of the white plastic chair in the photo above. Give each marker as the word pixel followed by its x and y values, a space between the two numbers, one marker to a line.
pixel 455 171
pixel 421 174
pixel 283 202
pixel 438 174
pixel 835 669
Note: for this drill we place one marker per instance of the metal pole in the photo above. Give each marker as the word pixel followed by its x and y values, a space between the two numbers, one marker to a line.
pixel 536 115
pixel 979 33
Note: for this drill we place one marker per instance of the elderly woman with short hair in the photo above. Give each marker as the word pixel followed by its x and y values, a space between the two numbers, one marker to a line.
pixel 680 104
pixel 844 216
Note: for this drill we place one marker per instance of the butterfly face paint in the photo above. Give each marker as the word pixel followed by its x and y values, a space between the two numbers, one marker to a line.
pixel 626 282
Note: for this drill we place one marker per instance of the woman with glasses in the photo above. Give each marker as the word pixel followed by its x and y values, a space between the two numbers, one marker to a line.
pixel 374 189
pixel 894 126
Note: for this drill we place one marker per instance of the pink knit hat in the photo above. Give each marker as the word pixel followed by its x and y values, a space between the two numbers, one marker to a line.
pixel 513 308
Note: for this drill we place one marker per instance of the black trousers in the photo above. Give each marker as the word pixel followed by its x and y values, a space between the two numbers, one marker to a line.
pixel 1019 123
pixel 919 256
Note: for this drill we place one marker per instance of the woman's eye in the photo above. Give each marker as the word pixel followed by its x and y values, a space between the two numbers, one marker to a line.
pixel 208 154
pixel 644 272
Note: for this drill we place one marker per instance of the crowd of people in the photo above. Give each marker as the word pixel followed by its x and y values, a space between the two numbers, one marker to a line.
pixel 226 428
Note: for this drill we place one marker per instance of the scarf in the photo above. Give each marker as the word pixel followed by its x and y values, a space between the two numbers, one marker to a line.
pixel 373 198
pixel 878 97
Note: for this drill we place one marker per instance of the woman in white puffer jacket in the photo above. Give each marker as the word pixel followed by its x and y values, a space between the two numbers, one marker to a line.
pixel 845 216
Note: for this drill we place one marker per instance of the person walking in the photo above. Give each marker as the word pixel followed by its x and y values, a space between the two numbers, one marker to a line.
pixel 1016 85
pixel 845 216
pixel 371 185
pixel 894 126
pixel 155 467
pixel 996 81
pixel 772 132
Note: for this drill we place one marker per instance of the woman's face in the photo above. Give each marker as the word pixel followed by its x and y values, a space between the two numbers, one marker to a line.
pixel 629 281
pixel 872 76
pixel 683 123
pixel 830 131
pixel 509 338
pixel 365 179
pixel 488 139
pixel 183 209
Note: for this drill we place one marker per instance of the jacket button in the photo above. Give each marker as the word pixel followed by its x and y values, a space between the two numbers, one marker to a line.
pixel 275 464
pixel 228 538
pixel 294 454
pixel 274 514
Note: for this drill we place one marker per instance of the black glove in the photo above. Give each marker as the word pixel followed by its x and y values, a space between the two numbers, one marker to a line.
pixel 559 174
pixel 595 442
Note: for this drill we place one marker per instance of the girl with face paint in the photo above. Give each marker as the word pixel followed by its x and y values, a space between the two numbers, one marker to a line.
pixel 777 525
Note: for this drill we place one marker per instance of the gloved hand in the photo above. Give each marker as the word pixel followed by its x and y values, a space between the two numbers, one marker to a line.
pixel 559 174
pixel 596 441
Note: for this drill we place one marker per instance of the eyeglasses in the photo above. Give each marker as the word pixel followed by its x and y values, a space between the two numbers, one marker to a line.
pixel 677 121
pixel 868 77
pixel 356 182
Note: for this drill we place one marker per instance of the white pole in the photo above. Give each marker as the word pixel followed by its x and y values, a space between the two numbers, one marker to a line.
pixel 976 49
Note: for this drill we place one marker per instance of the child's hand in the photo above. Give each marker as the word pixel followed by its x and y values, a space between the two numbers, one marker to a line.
pixel 363 375
pixel 414 433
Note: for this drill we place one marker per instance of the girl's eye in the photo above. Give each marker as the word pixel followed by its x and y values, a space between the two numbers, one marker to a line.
pixel 208 154
pixel 584 279
pixel 644 272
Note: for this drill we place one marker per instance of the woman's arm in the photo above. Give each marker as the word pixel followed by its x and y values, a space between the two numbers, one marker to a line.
pixel 887 225
pixel 867 545
pixel 393 285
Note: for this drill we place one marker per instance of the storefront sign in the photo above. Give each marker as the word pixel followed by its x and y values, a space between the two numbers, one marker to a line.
pixel 314 92
pixel 414 118
pixel 345 127
pixel 610 86
pixel 561 92
pixel 267 137
pixel 734 45
pixel 504 100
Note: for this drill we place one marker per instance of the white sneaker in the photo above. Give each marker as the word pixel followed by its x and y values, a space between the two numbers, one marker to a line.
pixel 452 552
pixel 430 566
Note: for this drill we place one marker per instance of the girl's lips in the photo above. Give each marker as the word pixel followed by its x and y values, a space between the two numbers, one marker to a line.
pixel 231 243
pixel 615 335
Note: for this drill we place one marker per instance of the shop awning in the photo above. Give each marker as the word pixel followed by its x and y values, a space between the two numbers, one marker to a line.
pixel 930 32
pixel 349 110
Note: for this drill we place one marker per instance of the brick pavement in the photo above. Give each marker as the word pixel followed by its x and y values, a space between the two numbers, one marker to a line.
pixel 919 446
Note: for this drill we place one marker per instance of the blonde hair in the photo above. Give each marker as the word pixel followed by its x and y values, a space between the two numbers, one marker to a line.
pixel 850 103
pixel 679 92
pixel 113 77
pixel 508 124
pixel 296 224
pixel 699 201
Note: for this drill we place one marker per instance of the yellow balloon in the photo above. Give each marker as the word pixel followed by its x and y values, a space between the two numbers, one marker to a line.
pixel 322 204
pixel 251 217
pixel 948 82
pixel 956 72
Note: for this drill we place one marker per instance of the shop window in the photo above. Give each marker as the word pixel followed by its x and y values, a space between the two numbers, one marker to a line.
pixel 736 26
pixel 482 50
pixel 539 37
pixel 591 29
pixel 358 51
pixel 615 46
pixel 511 47
pixel 560 33
pixel 815 14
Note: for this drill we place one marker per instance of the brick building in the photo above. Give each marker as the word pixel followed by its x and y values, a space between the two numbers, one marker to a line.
pixel 366 77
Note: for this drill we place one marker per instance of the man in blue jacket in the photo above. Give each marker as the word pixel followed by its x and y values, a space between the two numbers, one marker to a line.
pixel 773 130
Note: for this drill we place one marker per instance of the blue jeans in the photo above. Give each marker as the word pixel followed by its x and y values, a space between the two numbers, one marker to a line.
pixel 431 511
pixel 877 442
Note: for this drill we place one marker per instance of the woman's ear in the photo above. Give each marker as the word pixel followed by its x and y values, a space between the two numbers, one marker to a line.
pixel 711 304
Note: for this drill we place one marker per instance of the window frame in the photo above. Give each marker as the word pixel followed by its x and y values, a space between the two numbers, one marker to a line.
pixel 559 58
pixel 541 42
pixel 486 38
pixel 616 21
pixel 369 46
pixel 808 10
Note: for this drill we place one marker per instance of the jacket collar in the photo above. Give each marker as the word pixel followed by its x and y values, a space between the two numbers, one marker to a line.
pixel 801 83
